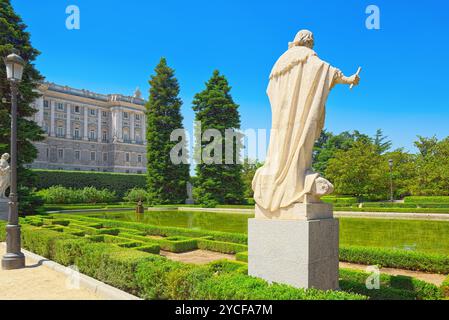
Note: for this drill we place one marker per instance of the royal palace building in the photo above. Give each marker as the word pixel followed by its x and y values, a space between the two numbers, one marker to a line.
pixel 88 131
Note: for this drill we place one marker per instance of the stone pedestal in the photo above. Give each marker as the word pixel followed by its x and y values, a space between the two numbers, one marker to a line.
pixel 301 252
pixel 4 209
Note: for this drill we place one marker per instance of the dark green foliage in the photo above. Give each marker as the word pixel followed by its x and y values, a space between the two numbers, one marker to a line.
pixel 14 37
pixel 166 181
pixel 228 266
pixel 381 142
pixel 217 183
pixel 392 258
pixel 391 287
pixel 118 182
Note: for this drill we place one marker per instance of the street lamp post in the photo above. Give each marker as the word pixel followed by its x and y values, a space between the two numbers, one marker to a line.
pixel 14 258
pixel 390 163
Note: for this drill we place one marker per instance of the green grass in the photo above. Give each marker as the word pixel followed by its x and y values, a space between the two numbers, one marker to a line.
pixel 414 235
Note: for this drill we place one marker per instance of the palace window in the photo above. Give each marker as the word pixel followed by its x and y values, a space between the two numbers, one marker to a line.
pixel 93 155
pixel 138 117
pixel 105 136
pixel 60 153
pixel 60 106
pixel 139 158
pixel 127 157
pixel 125 115
pixel 105 157
pixel 60 131
pixel 93 112
pixel 46 104
pixel 105 114
pixel 92 134
pixel 77 109
pixel 77 155
pixel 77 133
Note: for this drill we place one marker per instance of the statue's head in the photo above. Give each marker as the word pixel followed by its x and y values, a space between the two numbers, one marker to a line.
pixel 5 156
pixel 304 38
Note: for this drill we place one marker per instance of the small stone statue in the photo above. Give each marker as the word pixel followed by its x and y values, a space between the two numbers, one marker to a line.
pixel 140 209
pixel 5 175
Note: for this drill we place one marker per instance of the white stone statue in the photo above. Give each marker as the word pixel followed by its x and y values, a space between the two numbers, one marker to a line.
pixel 5 175
pixel 299 86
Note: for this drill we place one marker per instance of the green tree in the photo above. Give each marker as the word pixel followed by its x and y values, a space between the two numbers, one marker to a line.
pixel 432 167
pixel 381 142
pixel 249 169
pixel 166 180
pixel 215 109
pixel 328 144
pixel 360 171
pixel 13 37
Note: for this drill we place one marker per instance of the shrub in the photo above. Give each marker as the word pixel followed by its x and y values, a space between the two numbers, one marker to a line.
pixel 340 199
pixel 242 256
pixel 235 286
pixel 445 287
pixel 434 199
pixel 393 258
pixel 220 246
pixel 118 182
pixel 391 287
pixel 62 195
pixel 228 266
pixel 135 195
pixel 149 248
pixel 151 276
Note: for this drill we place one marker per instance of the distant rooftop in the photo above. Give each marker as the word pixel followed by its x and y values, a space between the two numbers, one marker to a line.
pixel 92 95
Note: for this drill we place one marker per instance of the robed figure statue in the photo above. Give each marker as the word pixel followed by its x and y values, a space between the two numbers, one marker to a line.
pixel 299 86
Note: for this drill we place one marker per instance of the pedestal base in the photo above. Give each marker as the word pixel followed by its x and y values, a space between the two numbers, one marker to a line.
pixel 4 209
pixel 300 253
pixel 13 261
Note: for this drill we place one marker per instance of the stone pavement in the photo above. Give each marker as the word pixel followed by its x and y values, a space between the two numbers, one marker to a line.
pixel 38 282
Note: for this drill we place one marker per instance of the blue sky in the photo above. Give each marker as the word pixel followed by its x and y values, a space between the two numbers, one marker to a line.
pixel 404 86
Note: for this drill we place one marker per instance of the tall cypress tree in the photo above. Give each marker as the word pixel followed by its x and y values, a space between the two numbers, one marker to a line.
pixel 215 109
pixel 166 181
pixel 14 38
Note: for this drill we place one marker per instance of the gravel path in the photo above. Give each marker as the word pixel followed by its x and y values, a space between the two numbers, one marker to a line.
pixel 37 282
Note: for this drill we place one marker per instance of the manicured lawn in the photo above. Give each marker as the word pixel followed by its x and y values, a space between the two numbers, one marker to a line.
pixel 416 235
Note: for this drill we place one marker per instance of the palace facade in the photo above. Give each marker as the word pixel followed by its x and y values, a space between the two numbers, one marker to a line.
pixel 88 131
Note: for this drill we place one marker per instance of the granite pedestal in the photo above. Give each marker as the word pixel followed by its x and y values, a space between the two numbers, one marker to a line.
pixel 298 247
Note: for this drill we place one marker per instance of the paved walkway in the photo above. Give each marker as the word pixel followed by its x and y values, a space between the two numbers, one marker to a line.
pixel 38 282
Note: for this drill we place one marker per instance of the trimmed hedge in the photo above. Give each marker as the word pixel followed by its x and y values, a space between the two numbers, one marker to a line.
pixel 220 246
pixel 155 277
pixel 340 199
pixel 385 257
pixel 399 210
pixel 118 182
pixel 445 287
pixel 391 287
pixel 162 230
pixel 434 199
pixel 242 256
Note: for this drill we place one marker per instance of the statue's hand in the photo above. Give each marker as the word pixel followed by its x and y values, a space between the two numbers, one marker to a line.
pixel 354 79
